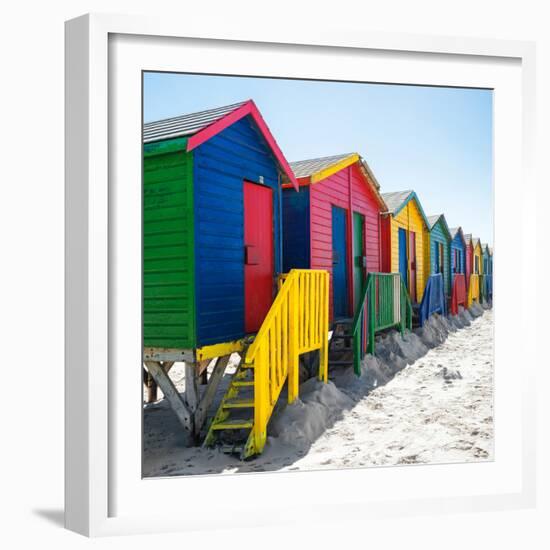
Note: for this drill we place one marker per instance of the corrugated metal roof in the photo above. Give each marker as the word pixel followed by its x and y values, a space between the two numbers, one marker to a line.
pixel 305 168
pixel 395 199
pixel 185 125
pixel 371 175
pixel 433 219
pixel 454 231
pixel 311 168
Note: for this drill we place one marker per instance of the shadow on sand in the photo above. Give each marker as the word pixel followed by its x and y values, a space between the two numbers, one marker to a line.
pixel 294 428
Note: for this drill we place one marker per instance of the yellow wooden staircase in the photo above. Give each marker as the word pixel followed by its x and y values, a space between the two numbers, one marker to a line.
pixel 297 323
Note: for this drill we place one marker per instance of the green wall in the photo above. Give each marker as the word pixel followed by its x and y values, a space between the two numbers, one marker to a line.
pixel 168 246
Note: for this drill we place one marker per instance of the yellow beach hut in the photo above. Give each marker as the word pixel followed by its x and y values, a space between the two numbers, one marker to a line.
pixel 475 267
pixel 477 264
pixel 406 241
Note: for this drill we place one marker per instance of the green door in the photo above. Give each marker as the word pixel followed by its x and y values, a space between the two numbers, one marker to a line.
pixel 359 259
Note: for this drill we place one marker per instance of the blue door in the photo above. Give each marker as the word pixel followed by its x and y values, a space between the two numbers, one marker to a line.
pixel 403 261
pixel 339 263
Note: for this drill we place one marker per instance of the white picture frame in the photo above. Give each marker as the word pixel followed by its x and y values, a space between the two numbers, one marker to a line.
pixel 104 491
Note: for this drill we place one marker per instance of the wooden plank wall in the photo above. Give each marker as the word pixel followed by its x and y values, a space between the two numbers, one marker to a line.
pixel 168 247
pixel 334 191
pixel 221 165
pixel 437 236
pixel 410 219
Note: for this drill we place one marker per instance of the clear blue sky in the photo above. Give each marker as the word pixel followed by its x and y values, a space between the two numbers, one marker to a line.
pixel 437 141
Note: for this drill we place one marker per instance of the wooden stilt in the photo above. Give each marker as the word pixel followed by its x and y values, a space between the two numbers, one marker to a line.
pixel 193 410
pixel 204 377
pixel 208 397
pixel 160 376
pixel 167 365
pixel 151 386
pixel 191 389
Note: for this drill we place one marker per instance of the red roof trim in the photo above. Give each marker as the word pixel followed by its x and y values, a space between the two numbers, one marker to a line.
pixel 248 108
pixel 302 182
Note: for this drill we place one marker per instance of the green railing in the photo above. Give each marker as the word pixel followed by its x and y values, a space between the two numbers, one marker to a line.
pixel 385 303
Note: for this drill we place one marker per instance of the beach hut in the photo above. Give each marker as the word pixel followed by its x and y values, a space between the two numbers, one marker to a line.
pixel 485 255
pixel 474 268
pixel 477 266
pixel 458 252
pixel 212 233
pixel 406 241
pixel 333 224
pixel 487 277
pixel 459 287
pixel 469 258
pixel 212 260
pixel 440 249
pixel 491 273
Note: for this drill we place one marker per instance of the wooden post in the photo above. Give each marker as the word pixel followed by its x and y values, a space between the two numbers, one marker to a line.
pixel 152 386
pixel 206 400
pixel 261 397
pixel 191 388
pixel 160 375
pixel 294 356
pixel 167 365
pixel 323 352
pixel 349 251
pixel 371 316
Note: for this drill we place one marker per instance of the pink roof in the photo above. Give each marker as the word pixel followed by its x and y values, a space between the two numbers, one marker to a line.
pixel 245 109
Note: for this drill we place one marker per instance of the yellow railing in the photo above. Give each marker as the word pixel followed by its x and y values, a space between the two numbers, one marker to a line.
pixel 473 291
pixel 296 323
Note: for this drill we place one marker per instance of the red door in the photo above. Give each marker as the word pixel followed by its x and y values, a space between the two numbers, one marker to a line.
pixel 258 254
pixel 412 267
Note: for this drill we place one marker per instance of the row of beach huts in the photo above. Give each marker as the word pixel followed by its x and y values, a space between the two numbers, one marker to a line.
pixel 244 252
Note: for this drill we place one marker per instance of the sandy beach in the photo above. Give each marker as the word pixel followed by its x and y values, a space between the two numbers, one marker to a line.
pixel 425 398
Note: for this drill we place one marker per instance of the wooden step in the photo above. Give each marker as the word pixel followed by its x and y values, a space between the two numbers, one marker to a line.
pixel 242 383
pixel 238 404
pixel 340 363
pixel 345 349
pixel 234 424
pixel 341 337
pixel 343 321
pixel 236 449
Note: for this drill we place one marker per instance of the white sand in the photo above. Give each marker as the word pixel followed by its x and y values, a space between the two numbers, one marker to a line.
pixel 437 409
